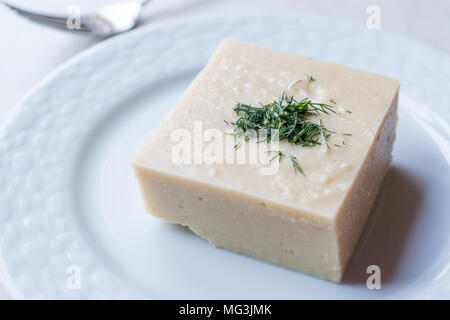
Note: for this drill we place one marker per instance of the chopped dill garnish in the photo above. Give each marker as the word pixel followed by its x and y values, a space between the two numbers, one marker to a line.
pixel 278 155
pixel 237 146
pixel 310 78
pixel 295 164
pixel 336 145
pixel 348 111
pixel 346 134
pixel 332 101
pixel 284 119
pixel 296 83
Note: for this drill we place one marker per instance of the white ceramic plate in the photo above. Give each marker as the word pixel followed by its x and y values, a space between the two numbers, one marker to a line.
pixel 69 201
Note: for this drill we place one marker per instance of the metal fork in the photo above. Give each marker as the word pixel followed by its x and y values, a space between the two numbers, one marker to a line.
pixel 107 21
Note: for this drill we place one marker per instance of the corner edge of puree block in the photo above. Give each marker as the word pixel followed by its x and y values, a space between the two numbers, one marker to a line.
pixel 374 169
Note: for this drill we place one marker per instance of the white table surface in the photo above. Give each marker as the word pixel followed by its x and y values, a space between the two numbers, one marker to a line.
pixel 29 51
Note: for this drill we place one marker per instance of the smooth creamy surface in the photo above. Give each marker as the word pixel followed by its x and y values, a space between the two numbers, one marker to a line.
pixel 310 223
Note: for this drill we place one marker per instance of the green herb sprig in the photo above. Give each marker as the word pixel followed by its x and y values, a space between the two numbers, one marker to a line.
pixel 280 155
pixel 284 119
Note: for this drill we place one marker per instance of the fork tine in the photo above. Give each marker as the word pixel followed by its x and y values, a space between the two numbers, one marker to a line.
pixel 33 15
pixel 49 20
pixel 96 24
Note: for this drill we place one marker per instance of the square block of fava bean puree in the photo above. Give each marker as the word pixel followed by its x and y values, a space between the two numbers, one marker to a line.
pixel 329 132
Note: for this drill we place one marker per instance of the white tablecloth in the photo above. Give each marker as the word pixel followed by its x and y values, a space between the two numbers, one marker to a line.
pixel 30 51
